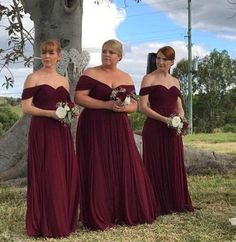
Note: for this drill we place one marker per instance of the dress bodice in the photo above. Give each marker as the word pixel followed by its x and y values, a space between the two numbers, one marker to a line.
pixel 99 90
pixel 162 99
pixel 46 96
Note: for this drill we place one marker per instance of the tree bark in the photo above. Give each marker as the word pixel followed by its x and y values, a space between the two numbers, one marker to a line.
pixel 13 150
pixel 57 19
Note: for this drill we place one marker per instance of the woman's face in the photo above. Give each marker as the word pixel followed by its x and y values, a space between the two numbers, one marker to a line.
pixel 162 62
pixel 50 57
pixel 109 55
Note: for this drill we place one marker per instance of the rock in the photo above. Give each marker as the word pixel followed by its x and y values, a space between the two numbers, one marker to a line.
pixel 199 161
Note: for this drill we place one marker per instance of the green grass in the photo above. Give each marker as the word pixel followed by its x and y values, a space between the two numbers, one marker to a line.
pixel 211 138
pixel 17 110
pixel 214 197
pixel 224 143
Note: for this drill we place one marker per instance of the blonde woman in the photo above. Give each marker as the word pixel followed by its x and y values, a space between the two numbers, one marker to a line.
pixel 115 188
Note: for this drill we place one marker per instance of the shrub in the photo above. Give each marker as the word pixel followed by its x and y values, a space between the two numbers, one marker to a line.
pixel 230 128
pixel 137 120
pixel 7 119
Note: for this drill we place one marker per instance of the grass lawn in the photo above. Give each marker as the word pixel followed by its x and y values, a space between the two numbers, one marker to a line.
pixel 214 198
pixel 224 143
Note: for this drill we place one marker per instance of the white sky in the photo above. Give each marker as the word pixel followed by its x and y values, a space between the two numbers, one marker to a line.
pixel 209 18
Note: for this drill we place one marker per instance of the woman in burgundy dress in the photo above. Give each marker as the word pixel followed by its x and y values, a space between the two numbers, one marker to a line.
pixel 52 192
pixel 162 146
pixel 115 188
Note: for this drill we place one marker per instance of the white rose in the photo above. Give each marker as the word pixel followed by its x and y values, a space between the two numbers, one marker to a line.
pixel 127 100
pixel 181 125
pixel 66 107
pixel 175 121
pixel 61 112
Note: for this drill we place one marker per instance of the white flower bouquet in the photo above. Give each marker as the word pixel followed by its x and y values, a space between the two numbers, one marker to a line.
pixel 66 112
pixel 121 96
pixel 178 123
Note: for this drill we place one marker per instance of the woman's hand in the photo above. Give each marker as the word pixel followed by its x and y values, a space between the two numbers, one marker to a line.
pixel 118 108
pixel 112 105
pixel 53 115
pixel 167 120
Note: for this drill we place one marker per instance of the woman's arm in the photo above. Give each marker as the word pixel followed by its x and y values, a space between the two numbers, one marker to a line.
pixel 179 106
pixel 144 108
pixel 83 99
pixel 180 110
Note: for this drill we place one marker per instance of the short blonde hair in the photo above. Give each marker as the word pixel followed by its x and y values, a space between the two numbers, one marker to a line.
pixel 115 45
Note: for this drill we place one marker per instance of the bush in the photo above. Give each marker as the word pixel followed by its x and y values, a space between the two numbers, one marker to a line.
pixel 230 128
pixel 12 101
pixel 137 120
pixel 217 130
pixel 7 119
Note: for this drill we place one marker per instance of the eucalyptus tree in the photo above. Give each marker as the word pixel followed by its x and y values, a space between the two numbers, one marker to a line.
pixel 215 78
pixel 212 84
pixel 59 19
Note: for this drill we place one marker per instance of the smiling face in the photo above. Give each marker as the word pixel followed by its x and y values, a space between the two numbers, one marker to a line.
pixel 165 58
pixel 162 62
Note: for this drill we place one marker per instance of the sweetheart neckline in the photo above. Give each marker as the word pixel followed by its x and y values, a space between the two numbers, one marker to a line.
pixel 54 88
pixel 162 86
pixel 103 83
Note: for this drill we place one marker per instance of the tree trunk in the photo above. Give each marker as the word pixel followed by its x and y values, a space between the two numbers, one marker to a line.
pixel 57 19
pixel 13 150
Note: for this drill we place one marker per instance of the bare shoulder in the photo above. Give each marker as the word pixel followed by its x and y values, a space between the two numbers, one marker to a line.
pixel 147 80
pixel 31 80
pixel 176 82
pixel 91 71
pixel 126 77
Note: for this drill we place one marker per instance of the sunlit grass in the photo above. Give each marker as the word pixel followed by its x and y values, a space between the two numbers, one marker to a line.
pixel 214 198
pixel 223 143
pixel 211 137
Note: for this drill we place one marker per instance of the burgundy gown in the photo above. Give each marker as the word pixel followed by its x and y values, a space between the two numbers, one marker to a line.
pixel 115 188
pixel 53 187
pixel 163 152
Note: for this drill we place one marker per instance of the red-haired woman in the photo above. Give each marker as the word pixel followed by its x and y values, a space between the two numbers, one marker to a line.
pixel 162 145
pixel 52 194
